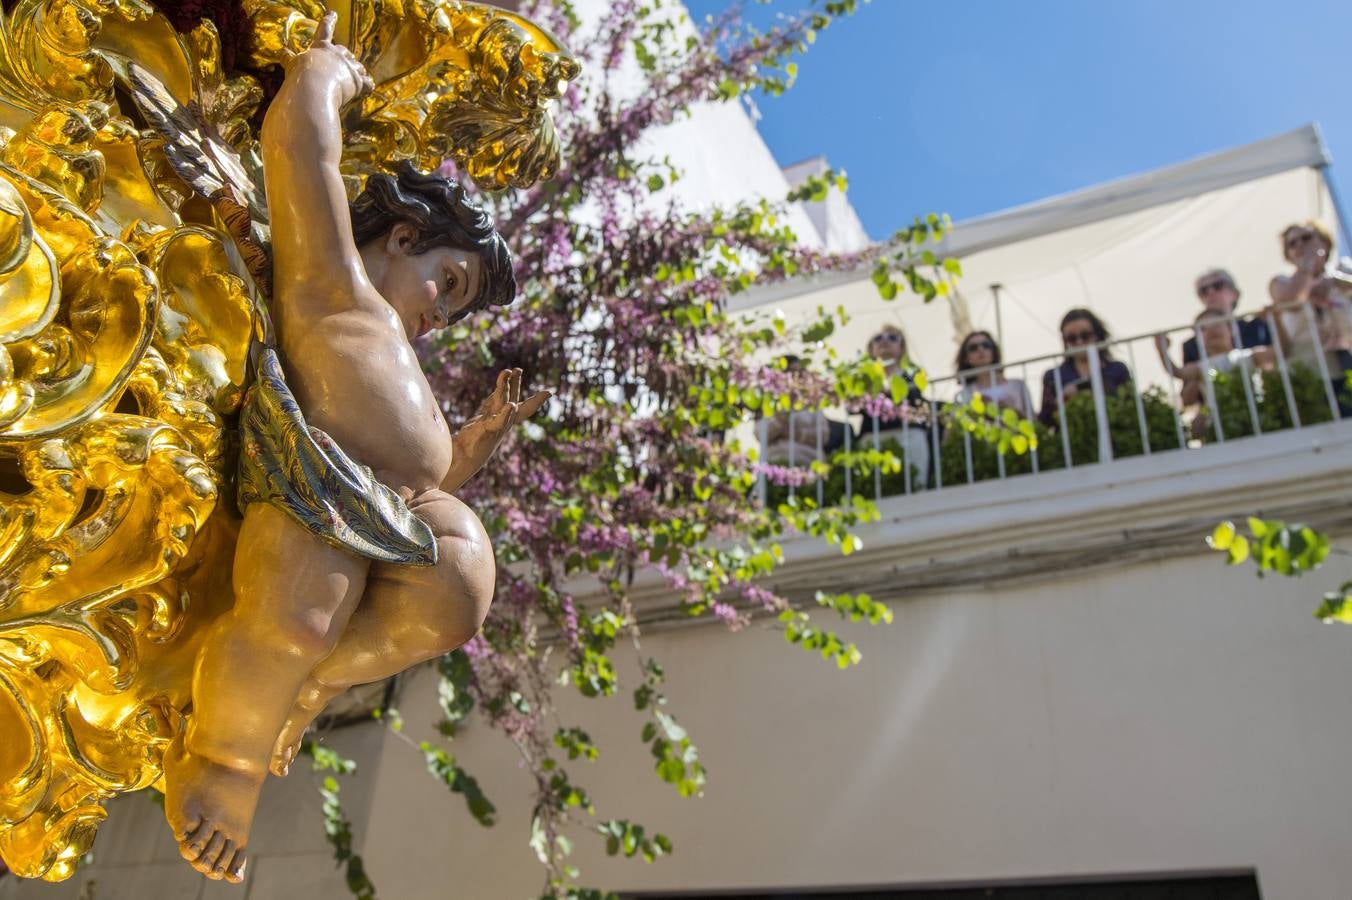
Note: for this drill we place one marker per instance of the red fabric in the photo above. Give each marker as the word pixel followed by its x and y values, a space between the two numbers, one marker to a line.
pixel 230 21
pixel 227 15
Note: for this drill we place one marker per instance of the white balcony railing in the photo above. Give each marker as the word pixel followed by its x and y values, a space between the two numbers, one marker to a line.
pixel 1134 400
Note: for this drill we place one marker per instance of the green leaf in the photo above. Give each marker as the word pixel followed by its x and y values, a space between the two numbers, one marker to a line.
pixel 1239 550
pixel 1337 606
pixel 1222 537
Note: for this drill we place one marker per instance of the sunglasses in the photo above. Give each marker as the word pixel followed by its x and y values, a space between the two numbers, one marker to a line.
pixel 1076 338
pixel 887 336
pixel 1297 240
pixel 978 345
pixel 1213 286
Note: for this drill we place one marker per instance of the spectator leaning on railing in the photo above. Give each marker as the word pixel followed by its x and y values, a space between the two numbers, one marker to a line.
pixel 978 368
pixel 1079 329
pixel 791 436
pixel 1314 306
pixel 1218 340
pixel 1217 291
pixel 888 346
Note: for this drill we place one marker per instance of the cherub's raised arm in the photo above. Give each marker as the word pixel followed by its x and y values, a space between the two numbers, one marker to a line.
pixel 302 142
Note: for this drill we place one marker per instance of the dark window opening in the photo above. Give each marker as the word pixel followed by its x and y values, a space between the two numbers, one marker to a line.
pixel 1182 887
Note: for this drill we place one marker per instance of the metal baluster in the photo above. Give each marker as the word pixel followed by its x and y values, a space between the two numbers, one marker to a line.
pixel 1140 404
pixel 849 467
pixel 1237 340
pixel 934 439
pixel 906 455
pixel 1105 438
pixel 1061 411
pixel 1323 363
pixel 1283 370
pixel 821 454
pixel 1247 374
pixel 762 435
pixel 967 452
pixel 877 469
pixel 1028 402
pixel 1208 388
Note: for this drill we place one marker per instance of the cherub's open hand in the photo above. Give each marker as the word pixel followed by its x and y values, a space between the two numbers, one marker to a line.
pixel 475 443
pixel 333 61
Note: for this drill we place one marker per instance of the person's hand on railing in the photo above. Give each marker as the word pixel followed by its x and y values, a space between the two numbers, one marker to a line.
pixel 1162 345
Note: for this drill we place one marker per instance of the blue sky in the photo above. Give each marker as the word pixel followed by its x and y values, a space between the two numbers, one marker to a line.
pixel 969 106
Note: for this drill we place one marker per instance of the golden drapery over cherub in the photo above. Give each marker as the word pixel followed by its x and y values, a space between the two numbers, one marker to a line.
pixel 226 491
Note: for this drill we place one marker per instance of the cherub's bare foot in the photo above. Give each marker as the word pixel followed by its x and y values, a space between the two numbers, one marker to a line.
pixel 313 698
pixel 210 808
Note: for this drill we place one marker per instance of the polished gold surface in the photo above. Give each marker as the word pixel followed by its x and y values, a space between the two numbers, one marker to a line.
pixel 133 272
pixel 452 80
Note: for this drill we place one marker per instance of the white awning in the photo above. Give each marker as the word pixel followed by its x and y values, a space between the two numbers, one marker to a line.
pixel 1302 148
pixel 1130 249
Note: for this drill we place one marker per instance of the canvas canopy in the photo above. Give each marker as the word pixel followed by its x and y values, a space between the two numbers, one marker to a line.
pixel 1130 250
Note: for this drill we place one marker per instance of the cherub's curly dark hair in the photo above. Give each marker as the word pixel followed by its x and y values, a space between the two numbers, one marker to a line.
pixel 442 212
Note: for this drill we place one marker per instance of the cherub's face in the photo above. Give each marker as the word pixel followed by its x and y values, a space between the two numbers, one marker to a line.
pixel 427 289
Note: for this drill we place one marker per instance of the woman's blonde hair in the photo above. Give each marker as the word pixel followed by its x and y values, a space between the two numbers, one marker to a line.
pixel 1320 230
pixel 889 328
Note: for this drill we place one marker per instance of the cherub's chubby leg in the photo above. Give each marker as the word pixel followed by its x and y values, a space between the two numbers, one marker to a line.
pixel 293 596
pixel 408 614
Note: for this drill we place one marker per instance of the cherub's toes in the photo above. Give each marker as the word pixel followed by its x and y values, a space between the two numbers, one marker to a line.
pixel 207 860
pixel 181 834
pixel 235 872
pixel 222 862
pixel 191 847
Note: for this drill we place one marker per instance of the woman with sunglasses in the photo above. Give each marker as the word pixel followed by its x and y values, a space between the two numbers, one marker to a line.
pixel 1314 293
pixel 1079 329
pixel 979 370
pixel 888 346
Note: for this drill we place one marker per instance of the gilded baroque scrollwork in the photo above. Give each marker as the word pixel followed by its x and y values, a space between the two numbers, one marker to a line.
pixel 133 278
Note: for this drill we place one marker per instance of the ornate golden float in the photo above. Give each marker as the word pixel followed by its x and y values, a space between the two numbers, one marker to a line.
pixel 133 262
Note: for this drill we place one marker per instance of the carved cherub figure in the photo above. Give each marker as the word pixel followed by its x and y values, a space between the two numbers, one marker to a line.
pixel 354 559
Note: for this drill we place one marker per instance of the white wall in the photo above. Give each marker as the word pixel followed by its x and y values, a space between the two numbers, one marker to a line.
pixel 722 157
pixel 1165 716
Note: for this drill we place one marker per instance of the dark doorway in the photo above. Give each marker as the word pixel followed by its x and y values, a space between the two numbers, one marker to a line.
pixel 1181 887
